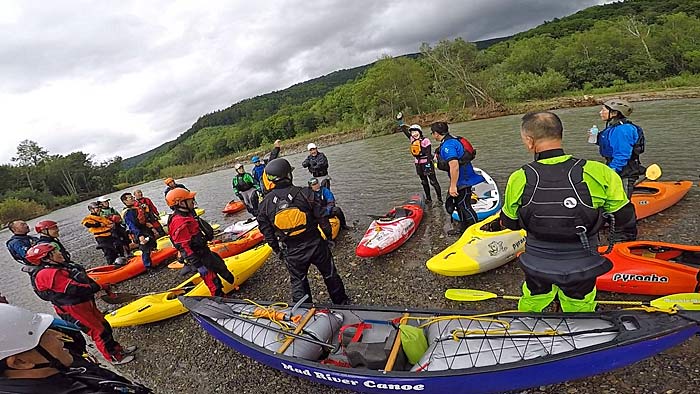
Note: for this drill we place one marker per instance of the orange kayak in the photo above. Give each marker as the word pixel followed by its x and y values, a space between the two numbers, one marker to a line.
pixel 110 274
pixel 653 268
pixel 650 198
pixel 233 207
pixel 227 249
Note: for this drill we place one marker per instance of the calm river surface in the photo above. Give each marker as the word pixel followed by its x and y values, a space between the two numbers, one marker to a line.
pixel 371 175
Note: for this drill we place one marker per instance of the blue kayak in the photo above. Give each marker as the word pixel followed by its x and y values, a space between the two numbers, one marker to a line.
pixel 356 347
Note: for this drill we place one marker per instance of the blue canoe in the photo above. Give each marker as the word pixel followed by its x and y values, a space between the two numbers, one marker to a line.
pixel 488 199
pixel 464 355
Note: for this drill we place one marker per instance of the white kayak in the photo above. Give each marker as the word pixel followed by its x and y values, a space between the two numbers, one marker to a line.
pixel 488 199
pixel 242 226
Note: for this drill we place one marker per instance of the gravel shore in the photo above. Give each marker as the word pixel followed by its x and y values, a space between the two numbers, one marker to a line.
pixel 177 356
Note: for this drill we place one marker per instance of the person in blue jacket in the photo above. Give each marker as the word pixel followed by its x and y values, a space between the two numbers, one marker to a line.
pixel 259 165
pixel 454 155
pixel 621 142
pixel 20 241
pixel 326 199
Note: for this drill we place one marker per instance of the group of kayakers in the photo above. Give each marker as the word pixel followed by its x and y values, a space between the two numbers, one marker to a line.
pixel 561 201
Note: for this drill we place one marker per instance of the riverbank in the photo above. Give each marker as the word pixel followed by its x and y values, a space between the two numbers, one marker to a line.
pixel 298 144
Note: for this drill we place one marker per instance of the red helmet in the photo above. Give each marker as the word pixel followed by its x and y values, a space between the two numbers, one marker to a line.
pixel 45 225
pixel 37 253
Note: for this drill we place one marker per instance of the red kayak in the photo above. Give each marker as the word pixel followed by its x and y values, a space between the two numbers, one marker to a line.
pixel 650 198
pixel 653 268
pixel 233 207
pixel 110 274
pixel 387 233
pixel 227 249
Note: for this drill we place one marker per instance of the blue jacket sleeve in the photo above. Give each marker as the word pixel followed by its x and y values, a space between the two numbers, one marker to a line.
pixel 132 222
pixel 451 149
pixel 622 140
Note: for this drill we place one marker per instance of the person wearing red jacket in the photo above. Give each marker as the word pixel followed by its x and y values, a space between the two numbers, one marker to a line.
pixel 72 292
pixel 152 214
pixel 189 234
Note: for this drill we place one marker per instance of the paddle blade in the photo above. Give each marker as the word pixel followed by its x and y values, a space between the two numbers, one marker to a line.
pixel 468 295
pixel 685 301
pixel 653 172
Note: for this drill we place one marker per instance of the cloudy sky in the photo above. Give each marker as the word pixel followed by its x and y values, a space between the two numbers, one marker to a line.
pixel 121 77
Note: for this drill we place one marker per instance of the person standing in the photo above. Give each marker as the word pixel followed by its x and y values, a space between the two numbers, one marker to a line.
pixel 246 189
pixel 421 149
pixel 325 198
pixel 170 184
pixel 259 165
pixel 289 218
pixel 101 228
pixel 135 219
pixel 561 202
pixel 317 163
pixel 34 359
pixel 72 292
pixel 152 214
pixel 454 156
pixel 48 233
pixel 190 235
pixel 120 230
pixel 20 241
pixel 621 142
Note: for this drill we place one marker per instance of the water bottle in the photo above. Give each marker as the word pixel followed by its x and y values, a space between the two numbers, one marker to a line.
pixel 593 137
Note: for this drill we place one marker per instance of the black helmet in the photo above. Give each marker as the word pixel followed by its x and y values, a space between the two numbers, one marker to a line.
pixel 275 171
pixel 94 205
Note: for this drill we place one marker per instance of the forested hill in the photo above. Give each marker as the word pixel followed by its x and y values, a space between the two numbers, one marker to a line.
pixel 259 107
pixel 648 11
pixel 266 105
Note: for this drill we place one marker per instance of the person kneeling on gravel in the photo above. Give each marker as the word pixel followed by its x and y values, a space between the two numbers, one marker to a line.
pixel 72 292
pixel 33 359
pixel 189 235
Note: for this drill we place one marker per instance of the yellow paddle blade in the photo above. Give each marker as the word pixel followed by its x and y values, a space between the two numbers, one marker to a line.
pixel 216 226
pixel 468 295
pixel 653 172
pixel 685 301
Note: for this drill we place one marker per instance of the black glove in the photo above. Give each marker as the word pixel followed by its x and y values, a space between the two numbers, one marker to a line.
pixel 331 243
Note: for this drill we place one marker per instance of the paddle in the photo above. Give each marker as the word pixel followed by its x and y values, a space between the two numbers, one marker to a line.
pixel 216 310
pixel 652 173
pixel 121 298
pixel 686 301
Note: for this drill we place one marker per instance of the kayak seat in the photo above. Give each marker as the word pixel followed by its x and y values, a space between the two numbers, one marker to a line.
pixel 396 213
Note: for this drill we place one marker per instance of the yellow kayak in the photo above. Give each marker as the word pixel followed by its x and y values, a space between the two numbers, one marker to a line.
pixel 165 305
pixel 335 228
pixel 478 250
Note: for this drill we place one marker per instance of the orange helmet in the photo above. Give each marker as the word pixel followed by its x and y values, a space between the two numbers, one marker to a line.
pixel 168 180
pixel 177 195
pixel 37 253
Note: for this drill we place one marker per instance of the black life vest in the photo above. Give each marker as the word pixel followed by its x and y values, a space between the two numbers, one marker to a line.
pixel 240 183
pixel 467 157
pixel 27 242
pixel 45 239
pixel 634 167
pixel 556 202
pixel 75 272
pixel 292 213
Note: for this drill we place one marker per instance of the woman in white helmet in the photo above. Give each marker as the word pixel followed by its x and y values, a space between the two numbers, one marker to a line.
pixel 317 163
pixel 33 359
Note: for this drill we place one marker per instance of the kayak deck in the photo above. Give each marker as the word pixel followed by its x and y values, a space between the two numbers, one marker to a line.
pixel 485 353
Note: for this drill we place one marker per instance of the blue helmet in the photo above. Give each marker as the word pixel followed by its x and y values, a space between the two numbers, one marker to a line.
pixel 255 159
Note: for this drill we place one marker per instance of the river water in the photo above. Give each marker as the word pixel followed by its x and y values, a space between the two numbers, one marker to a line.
pixel 369 177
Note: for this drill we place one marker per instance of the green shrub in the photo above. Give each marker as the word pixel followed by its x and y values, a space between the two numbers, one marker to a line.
pixel 527 86
pixel 15 209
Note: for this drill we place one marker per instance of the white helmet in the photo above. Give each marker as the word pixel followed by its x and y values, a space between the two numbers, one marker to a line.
pixel 415 127
pixel 311 146
pixel 238 165
pixel 103 199
pixel 20 329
